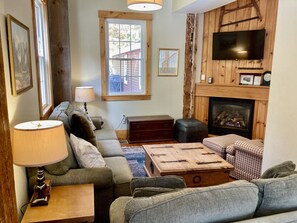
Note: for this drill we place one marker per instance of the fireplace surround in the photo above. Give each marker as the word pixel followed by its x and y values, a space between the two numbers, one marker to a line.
pixel 230 115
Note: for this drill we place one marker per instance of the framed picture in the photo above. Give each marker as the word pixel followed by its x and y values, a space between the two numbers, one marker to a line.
pixel 168 62
pixel 19 56
pixel 257 80
pixel 246 79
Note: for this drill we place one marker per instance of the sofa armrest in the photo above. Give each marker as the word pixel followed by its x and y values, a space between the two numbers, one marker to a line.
pixel 101 177
pixel 252 147
pixel 97 121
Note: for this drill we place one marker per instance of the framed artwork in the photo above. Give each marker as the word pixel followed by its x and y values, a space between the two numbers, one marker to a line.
pixel 168 62
pixel 246 79
pixel 19 56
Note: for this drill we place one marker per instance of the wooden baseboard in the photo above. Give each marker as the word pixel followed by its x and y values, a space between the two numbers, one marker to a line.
pixel 122 134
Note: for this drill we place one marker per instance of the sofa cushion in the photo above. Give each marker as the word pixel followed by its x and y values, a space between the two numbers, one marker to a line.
pixel 158 182
pixel 87 155
pixel 105 133
pixel 281 170
pixel 59 114
pixel 224 203
pixel 276 195
pixel 151 191
pixel 110 147
pixel 81 127
pixel 63 166
pixel 121 175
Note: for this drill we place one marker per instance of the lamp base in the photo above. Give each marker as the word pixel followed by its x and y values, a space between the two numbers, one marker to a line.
pixel 39 201
pixel 41 194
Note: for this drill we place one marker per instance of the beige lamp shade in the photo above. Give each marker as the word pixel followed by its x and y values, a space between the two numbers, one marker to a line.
pixel 84 94
pixel 145 5
pixel 39 143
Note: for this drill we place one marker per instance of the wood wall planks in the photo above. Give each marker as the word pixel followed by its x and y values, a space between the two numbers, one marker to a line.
pixel 60 50
pixel 226 72
pixel 8 206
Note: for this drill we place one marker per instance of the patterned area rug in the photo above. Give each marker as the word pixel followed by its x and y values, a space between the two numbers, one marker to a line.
pixel 135 157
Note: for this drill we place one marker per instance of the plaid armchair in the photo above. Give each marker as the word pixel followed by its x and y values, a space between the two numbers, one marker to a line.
pixel 246 157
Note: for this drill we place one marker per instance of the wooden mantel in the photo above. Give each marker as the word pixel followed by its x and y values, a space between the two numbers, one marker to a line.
pixel 258 93
pixel 233 91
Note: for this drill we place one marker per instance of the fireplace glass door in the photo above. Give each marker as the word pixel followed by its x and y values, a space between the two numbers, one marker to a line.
pixel 229 115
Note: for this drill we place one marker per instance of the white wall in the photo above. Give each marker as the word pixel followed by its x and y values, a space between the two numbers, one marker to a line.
pixel 168 31
pixel 281 132
pixel 23 107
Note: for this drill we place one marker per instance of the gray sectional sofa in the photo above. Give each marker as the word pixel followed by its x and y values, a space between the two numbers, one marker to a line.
pixel 262 200
pixel 109 182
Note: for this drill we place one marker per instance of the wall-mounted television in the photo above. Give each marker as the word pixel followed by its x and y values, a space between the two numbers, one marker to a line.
pixel 238 45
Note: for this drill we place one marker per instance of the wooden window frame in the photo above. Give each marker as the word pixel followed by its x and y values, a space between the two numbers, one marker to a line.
pixel 44 111
pixel 132 16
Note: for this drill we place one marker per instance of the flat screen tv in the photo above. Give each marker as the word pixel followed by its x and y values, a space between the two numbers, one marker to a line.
pixel 239 45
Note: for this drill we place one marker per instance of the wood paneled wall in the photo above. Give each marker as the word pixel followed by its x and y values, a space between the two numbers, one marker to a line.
pixel 227 72
pixel 8 207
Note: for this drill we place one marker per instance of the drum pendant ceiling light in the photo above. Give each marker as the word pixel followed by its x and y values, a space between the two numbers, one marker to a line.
pixel 145 5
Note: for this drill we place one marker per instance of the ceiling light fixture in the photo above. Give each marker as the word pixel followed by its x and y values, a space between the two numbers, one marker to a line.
pixel 145 5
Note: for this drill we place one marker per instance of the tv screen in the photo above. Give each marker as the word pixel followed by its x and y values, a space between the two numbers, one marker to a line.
pixel 239 45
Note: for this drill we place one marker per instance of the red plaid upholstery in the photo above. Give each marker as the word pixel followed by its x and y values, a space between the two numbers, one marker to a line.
pixel 219 143
pixel 246 156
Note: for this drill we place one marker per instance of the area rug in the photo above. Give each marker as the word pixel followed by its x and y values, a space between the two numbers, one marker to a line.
pixel 135 157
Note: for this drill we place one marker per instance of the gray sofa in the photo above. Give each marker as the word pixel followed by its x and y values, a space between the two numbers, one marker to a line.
pixel 261 200
pixel 109 182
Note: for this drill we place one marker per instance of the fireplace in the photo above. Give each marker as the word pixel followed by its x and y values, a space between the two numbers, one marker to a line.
pixel 230 115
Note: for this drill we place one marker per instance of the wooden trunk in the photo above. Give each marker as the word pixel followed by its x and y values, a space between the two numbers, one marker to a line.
pixel 198 165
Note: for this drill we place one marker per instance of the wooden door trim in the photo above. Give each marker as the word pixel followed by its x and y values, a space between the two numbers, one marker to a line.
pixel 8 207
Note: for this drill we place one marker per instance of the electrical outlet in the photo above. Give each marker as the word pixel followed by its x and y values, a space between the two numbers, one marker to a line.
pixel 124 119
pixel 203 77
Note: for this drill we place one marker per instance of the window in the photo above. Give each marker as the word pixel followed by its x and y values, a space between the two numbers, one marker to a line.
pixel 42 57
pixel 125 40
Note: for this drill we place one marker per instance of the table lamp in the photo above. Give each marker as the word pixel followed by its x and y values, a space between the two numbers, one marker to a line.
pixel 84 94
pixel 36 144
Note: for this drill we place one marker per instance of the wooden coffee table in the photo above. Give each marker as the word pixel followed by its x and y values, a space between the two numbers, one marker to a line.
pixel 197 164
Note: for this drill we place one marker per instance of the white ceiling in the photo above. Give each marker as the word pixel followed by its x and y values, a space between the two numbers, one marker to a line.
pixel 197 6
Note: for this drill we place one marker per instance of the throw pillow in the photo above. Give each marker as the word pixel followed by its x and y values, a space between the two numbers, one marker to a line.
pixel 80 126
pixel 276 195
pixel 86 154
pixel 281 170
pixel 63 166
pixel 151 191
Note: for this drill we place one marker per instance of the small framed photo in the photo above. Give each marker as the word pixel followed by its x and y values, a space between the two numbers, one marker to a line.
pixel 168 62
pixel 19 56
pixel 257 80
pixel 246 79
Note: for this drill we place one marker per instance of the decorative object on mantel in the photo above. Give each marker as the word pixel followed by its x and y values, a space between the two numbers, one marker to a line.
pixel 168 62
pixel 210 80
pixel 246 79
pixel 145 5
pixel 19 55
pixel 266 78
pixel 224 11
pixel 84 94
pixel 36 144
pixel 257 80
